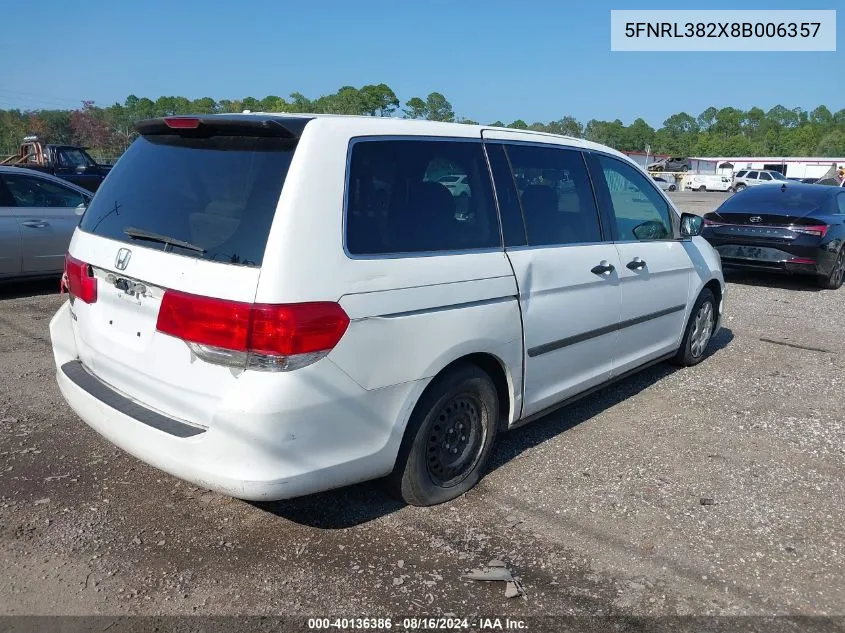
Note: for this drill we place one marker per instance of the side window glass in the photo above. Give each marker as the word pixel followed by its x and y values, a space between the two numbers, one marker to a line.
pixel 765 176
pixel 513 227
pixel 752 174
pixel 409 196
pixel 741 174
pixel 641 213
pixel 555 193
pixel 36 192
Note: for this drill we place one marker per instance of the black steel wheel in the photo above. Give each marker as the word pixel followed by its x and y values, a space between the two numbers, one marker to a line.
pixel 448 439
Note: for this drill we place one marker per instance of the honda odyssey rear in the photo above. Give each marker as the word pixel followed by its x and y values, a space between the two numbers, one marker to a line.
pixel 274 305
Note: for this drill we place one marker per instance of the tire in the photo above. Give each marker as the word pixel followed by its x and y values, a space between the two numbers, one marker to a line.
pixel 462 400
pixel 702 188
pixel 672 187
pixel 685 168
pixel 739 187
pixel 834 280
pixel 695 341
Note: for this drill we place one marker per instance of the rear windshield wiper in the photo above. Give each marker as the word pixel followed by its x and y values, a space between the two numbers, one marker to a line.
pixel 142 234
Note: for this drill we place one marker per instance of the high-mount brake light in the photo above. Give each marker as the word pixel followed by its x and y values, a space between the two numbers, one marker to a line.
pixel 268 337
pixel 78 279
pixel 182 122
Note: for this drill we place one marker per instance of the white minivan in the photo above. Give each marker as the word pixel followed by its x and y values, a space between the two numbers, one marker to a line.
pixel 273 305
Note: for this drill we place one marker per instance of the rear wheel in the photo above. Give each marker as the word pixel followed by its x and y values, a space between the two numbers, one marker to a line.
pixel 699 330
pixel 672 187
pixel 834 280
pixel 448 439
pixel 739 187
pixel 702 188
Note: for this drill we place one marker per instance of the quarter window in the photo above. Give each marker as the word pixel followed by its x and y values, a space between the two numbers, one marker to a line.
pixel 407 196
pixel 639 210
pixel 555 194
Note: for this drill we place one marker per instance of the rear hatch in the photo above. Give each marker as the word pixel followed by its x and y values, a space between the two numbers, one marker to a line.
pixel 186 211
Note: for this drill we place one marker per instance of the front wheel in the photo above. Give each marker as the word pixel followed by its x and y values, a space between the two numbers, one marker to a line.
pixel 699 330
pixel 448 440
pixel 672 187
pixel 834 280
pixel 702 188
pixel 739 187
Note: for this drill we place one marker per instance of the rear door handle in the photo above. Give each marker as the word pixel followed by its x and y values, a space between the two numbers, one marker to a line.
pixel 36 224
pixel 602 269
pixel 636 264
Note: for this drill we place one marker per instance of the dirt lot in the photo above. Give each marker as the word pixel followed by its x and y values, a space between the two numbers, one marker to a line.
pixel 597 508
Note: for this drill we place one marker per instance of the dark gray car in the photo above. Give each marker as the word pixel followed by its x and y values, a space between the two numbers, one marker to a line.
pixel 38 214
pixel 670 164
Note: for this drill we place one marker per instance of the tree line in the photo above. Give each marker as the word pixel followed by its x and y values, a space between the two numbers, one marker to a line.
pixel 728 131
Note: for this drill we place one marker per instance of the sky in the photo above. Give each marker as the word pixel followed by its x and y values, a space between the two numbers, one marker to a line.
pixel 537 60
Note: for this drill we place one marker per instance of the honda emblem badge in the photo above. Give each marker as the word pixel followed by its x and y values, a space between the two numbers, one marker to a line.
pixel 122 259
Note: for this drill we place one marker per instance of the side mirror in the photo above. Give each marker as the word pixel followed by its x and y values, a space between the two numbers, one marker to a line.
pixel 650 230
pixel 82 207
pixel 691 225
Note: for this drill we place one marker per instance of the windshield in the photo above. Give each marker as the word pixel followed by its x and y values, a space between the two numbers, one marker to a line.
pixel 218 194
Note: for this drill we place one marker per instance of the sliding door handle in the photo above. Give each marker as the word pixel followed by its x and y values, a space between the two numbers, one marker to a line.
pixel 636 264
pixel 602 269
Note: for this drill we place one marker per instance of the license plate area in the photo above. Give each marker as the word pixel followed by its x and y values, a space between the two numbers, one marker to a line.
pixel 756 253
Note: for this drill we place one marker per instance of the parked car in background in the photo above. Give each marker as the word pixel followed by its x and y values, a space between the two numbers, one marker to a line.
pixel 38 214
pixel 274 329
pixel 670 164
pixel 706 182
pixel 68 162
pixel 752 177
pixel 456 184
pixel 794 228
pixel 664 184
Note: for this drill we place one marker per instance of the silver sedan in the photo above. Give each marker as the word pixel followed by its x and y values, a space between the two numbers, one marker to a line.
pixel 38 214
pixel 664 184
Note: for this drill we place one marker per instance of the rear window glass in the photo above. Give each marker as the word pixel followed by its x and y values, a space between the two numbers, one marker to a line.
pixel 773 199
pixel 218 194
pixel 400 200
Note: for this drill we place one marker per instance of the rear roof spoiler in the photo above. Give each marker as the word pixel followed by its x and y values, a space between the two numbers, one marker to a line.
pixel 205 125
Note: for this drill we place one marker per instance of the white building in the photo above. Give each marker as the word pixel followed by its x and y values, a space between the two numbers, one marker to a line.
pixel 790 166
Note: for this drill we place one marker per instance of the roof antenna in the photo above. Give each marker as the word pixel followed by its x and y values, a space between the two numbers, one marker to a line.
pixel 783 187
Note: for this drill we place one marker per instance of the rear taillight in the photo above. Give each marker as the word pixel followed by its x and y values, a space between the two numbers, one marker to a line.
pixel 78 279
pixel 819 230
pixel 266 337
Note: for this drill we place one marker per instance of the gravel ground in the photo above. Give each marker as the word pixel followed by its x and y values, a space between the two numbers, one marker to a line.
pixel 597 508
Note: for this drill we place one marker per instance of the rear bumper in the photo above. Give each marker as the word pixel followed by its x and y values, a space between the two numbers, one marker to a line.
pixel 329 433
pixel 793 258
